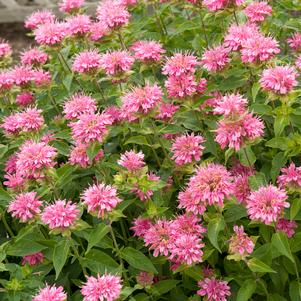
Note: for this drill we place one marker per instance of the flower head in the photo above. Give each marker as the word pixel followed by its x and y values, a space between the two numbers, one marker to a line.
pixel 78 24
pixel 38 18
pixel 98 30
pixel 166 111
pixel 147 51
pixel 141 226
pixel 5 48
pixel 68 6
pixel 24 98
pixel 6 81
pixel 286 226
pixel 34 56
pixel 51 293
pixel 214 289
pixel 33 259
pixel 181 86
pixel 22 75
pixel 132 161
pixel 145 279
pixel 240 243
pixel 50 34
pixel 215 59
pixel 231 105
pixel 86 61
pixel 290 177
pixel 295 41
pixel 258 11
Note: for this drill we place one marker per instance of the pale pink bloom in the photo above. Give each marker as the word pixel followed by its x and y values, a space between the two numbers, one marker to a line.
pixel 102 288
pixel 5 48
pixel 258 11
pixel 190 201
pixel 298 62
pixel 132 160
pixel 34 56
pixel 179 64
pixel 290 177
pixel 14 181
pixel 214 289
pixel 10 164
pixel 78 24
pixel 187 148
pixel 231 105
pixel 145 279
pixel 60 215
pixel 90 127
pixel 240 242
pixel 100 199
pixel 202 86
pixel 114 112
pixel 259 49
pixel 34 157
pixel 79 104
pixel 38 18
pixel 6 81
pixel 112 13
pixel 25 206
pixel 279 80
pixel 41 78
pixel 181 86
pixel 267 204
pixel 295 41
pixel 147 51
pixel 286 226
pixel 11 124
pixel 116 62
pixel 51 293
pixel 33 259
pixel 98 30
pixel 235 134
pixel 166 111
pixel 241 189
pixel 141 226
pixel 22 75
pixel 51 33
pixel 86 61
pixel 68 6
pixel 215 59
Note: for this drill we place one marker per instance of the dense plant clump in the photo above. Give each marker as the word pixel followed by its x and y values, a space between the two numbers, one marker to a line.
pixel 151 151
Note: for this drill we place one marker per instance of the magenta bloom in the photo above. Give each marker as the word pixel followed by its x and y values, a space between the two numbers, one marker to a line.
pixel 6 81
pixel 79 104
pixel 78 25
pixel 213 289
pixel 215 59
pixel 258 11
pixel 166 111
pixel 5 48
pixel 231 105
pixel 50 34
pixel 90 127
pixel 267 204
pixel 141 226
pixel 181 86
pixel 290 177
pixel 240 242
pixel 279 80
pixel 24 98
pixel 187 148
pixel 34 56
pixel 33 259
pixel 86 61
pixel 10 164
pixel 34 157
pixel 25 206
pixel 100 199
pixel 179 64
pixel 102 288
pixel 116 62
pixel 295 41
pixel 39 18
pixel 60 215
pixel 112 13
pixel 286 226
pixel 132 161
pixel 147 51
pixel 98 30
pixel 190 201
pixel 14 181
pixel 51 293
pixel 68 6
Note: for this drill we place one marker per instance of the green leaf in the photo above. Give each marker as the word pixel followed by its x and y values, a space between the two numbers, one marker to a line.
pixel 295 208
pixel 278 161
pixel 247 156
pixel 93 150
pixel 24 247
pixel 281 121
pixel 261 109
pixel 214 227
pixel 257 266
pixel 281 243
pixel 255 90
pixel 296 243
pixel 140 140
pixel 164 286
pixel 67 81
pixel 278 142
pixel 246 290
pixel 60 255
pixel 294 291
pixel 275 297
pixel 96 235
pixel 138 260
pixel 234 213
pixel 257 180
pixel 4 198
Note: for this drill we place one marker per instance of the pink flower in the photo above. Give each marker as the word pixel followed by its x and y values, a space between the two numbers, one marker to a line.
pixel 181 86
pixel 78 24
pixel 24 98
pixel 290 177
pixel 25 206
pixel 189 200
pixel 295 41
pixel 50 34
pixel 11 124
pixel 240 242
pixel 114 112
pixel 231 105
pixel 215 5
pixel 68 6
pixel 6 81
pixel 42 78
pixel 166 111
pixel 86 61
pixel 34 157
pixel 60 215
pixel 38 18
pixel 51 293
pixel 22 75
pixel 116 62
pixel 179 64
pixel 98 30
pixel 298 62
pixel 112 13
pixel 5 48
pixel 14 181
pixel 279 80
pixel 286 226
pixel 148 51
pixel 131 160
pixel 141 226
pixel 213 289
pixel 215 59
pixel 128 2
pixel 102 288
pixel 241 189
pixel 33 259
pixel 100 199
pixel 258 11
pixel 267 204
pixel 10 164
pixel 34 56
pixel 145 279
pixel 90 127
pixel 79 104
pixel 187 148
pixel 259 49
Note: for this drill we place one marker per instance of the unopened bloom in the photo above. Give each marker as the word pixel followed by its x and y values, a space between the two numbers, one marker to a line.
pixel 290 177
pixel 24 98
pixel 295 41
pixel 33 56
pixel 132 160
pixel 145 278
pixel 258 11
pixel 86 61
pixel 286 226
pixel 214 289
pixel 78 24
pixel 51 293
pixel 25 206
pixel 147 51
pixel 215 59
pixel 267 204
pixel 38 18
pixel 68 6
pixel 33 259
pixel 240 242
pixel 141 226
pixel 100 199
pixel 102 288
pixel 279 80
pixel 50 34
pixel 60 215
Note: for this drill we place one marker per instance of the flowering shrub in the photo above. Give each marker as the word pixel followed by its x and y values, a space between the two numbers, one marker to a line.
pixel 151 151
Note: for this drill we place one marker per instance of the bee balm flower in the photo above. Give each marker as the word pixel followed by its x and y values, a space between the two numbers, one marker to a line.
pixel 213 289
pixel 51 293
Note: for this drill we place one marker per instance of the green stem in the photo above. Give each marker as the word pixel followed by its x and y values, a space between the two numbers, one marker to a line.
pixel 100 89
pixel 79 258
pixel 121 40
pixel 235 17
pixel 53 102
pixel 7 227
pixel 204 30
